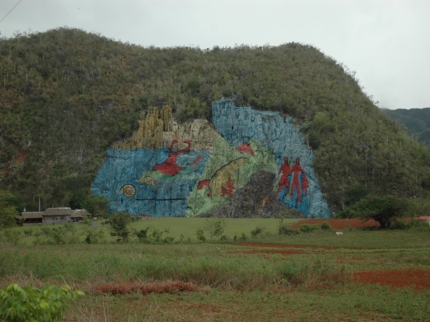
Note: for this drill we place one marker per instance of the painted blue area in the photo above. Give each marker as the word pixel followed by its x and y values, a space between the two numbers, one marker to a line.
pixel 241 124
pixel 167 198
pixel 292 202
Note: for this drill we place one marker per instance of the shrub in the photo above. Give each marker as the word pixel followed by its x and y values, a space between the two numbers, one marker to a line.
pixel 307 228
pixel 66 234
pixel 12 236
pixel 28 231
pixel 283 229
pixel 142 234
pixel 94 236
pixel 325 226
pixel 215 228
pixel 400 225
pixel 151 235
pixel 201 236
pixel 87 221
pixel 419 224
pixel 119 225
pixel 257 231
pixel 33 305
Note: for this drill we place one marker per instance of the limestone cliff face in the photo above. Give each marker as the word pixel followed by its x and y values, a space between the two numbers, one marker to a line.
pixel 297 185
pixel 157 129
pixel 167 169
pixel 150 132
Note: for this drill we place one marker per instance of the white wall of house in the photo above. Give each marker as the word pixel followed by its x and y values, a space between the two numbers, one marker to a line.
pixel 57 219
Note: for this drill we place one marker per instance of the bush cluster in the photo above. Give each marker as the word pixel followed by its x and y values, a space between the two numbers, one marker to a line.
pixel 284 229
pixel 31 304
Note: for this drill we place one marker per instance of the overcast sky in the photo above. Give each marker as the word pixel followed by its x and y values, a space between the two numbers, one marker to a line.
pixel 387 42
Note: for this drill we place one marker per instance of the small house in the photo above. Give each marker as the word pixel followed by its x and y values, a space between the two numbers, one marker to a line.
pixel 52 216
pixel 57 215
pixel 31 218
pixel 79 215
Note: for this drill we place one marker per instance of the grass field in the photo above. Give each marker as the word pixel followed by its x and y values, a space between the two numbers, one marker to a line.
pixel 315 276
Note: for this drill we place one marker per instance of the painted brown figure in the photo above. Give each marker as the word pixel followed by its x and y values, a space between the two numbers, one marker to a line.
pixel 170 167
pixel 284 181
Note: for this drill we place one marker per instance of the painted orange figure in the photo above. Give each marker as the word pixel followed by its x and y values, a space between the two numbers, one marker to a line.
pixel 170 167
pixel 284 181
pixel 297 170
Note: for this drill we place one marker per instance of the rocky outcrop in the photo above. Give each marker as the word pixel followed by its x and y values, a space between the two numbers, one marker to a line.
pixel 157 129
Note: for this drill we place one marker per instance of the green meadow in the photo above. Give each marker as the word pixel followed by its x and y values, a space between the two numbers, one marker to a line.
pixel 306 276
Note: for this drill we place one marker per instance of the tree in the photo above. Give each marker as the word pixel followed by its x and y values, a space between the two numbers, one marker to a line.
pixel 8 212
pixel 383 209
pixel 215 228
pixel 118 223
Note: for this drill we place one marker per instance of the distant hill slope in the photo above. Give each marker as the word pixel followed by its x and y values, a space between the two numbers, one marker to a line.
pixel 416 122
pixel 66 96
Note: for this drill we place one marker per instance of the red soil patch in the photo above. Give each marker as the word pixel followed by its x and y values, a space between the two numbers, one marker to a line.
pixel 285 246
pixel 147 288
pixel 266 251
pixel 420 279
pixel 339 223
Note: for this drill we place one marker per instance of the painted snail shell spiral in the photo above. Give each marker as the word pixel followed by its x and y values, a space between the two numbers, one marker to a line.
pixel 128 190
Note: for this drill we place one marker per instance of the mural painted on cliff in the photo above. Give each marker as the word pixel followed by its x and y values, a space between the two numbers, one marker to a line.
pixel 280 136
pixel 136 181
pixel 203 166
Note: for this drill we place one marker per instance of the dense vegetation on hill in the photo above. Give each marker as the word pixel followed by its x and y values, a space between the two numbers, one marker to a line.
pixel 415 122
pixel 67 95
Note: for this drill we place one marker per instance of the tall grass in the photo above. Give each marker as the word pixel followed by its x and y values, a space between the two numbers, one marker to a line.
pixel 199 264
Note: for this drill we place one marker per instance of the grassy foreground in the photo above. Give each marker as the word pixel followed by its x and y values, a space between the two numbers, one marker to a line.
pixel 236 281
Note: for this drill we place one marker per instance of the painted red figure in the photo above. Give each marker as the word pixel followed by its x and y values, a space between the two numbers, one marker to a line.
pixel 170 167
pixel 296 170
pixel 228 190
pixel 245 148
pixel 203 183
pixel 284 182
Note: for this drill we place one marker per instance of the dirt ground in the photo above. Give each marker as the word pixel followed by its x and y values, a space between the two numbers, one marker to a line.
pixel 171 287
pixel 420 279
pixel 339 223
pixel 250 244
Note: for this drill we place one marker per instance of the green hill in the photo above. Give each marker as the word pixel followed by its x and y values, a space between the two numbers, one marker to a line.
pixel 67 95
pixel 415 122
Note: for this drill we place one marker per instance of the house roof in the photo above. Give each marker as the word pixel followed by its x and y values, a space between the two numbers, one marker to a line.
pixel 58 211
pixel 424 217
pixel 64 211
pixel 80 213
pixel 30 215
